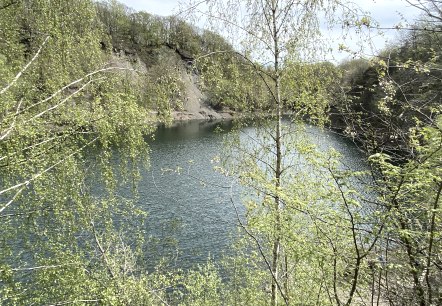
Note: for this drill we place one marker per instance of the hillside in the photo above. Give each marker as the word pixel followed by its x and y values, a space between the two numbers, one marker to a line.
pixel 168 50
pixel 83 88
pixel 190 102
pixel 390 98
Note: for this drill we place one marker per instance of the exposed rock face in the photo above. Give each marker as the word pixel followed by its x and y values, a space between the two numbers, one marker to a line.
pixel 195 106
pixel 194 102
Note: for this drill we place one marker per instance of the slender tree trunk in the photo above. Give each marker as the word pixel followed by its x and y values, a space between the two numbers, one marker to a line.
pixel 278 162
pixel 413 263
pixel 286 276
pixel 277 241
pixel 430 246
pixel 275 270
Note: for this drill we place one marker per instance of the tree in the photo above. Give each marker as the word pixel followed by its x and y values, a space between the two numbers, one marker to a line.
pixel 65 115
pixel 276 37
pixel 395 117
pixel 431 8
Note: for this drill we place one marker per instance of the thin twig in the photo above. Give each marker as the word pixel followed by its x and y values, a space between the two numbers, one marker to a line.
pixel 260 249
pixel 27 182
pixel 25 67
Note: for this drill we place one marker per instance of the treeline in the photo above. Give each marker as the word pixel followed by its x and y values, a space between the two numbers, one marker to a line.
pixel 143 34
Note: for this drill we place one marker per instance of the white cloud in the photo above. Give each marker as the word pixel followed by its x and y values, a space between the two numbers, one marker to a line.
pixel 388 12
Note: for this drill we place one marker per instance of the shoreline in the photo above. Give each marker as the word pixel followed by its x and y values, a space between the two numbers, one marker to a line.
pixel 203 114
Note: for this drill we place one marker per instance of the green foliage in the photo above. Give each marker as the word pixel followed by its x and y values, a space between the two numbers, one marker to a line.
pixel 183 36
pixel 231 82
pixel 72 133
pixel 228 79
pixel 302 228
pixel 353 71
pixel 64 238
pixel 164 92
pixel 202 287
pixel 117 23
pixel 394 93
pixel 411 194
pixel 315 228
pixel 309 89
pixel 395 114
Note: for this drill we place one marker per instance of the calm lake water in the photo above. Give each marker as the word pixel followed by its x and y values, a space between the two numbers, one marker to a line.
pixel 191 217
pixel 190 212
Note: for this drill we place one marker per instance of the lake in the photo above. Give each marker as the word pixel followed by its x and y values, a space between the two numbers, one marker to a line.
pixel 190 213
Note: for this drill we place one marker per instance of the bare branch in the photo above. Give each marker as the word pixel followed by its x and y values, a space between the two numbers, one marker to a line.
pixel 190 8
pixel 76 82
pixel 25 67
pixel 43 267
pixel 27 182
pixel 102 251
pixel 9 130
pixel 13 199
pixel 88 301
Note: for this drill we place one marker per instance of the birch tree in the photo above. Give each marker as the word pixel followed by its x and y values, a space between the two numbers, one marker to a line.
pixel 278 164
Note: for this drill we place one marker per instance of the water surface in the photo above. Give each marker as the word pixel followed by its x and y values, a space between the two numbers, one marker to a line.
pixel 191 217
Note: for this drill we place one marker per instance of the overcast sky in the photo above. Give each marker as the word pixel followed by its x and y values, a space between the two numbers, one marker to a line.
pixel 387 12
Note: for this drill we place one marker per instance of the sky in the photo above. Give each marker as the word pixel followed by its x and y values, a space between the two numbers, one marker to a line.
pixel 158 7
pixel 388 13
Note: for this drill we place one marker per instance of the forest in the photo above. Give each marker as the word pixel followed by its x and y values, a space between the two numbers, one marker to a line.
pixel 84 85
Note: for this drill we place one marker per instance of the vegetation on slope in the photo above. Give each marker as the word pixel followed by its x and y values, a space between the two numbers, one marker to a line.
pixel 225 78
pixel 395 94
pixel 393 111
pixel 69 107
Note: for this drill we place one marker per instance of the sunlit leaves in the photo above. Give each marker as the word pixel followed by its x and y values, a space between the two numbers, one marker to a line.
pixel 64 229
